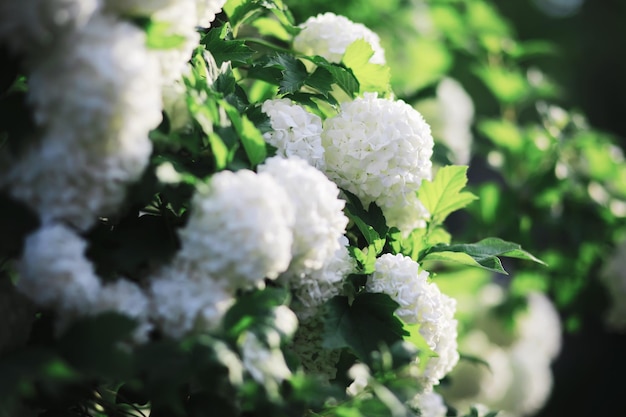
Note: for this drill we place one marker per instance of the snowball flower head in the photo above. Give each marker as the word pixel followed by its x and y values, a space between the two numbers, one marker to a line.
pixel 240 229
pixel 329 35
pixel 319 217
pixel 54 271
pixel 378 149
pixel 421 302
pixel 295 131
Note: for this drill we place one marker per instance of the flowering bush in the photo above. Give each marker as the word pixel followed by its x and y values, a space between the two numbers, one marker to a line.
pixel 210 208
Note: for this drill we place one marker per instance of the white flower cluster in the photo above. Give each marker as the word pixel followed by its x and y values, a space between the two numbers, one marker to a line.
pixel 240 229
pixel 613 276
pixel 430 404
pixel 450 115
pixel 295 131
pixel 55 273
pixel 519 378
pixel 319 217
pixel 421 302
pixel 380 150
pixel 329 35
pixel 95 96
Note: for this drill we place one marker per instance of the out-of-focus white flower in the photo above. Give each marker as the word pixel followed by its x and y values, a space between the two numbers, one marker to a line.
pixel 31 26
pixel 295 131
pixel 613 276
pixel 329 35
pixel 319 217
pixel 472 382
pixel 380 150
pixel 532 381
pixel 430 404
pixel 240 229
pixel 264 363
pixel 307 347
pixel 360 374
pixel 421 302
pixel 96 97
pixel 316 287
pixel 207 9
pixel 125 297
pixel 184 299
pixel 450 115
pixel 54 272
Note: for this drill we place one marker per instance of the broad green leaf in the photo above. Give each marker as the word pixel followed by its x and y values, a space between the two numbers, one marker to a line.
pixel 491 263
pixel 443 195
pixel 221 154
pixel 507 85
pixel 251 138
pixel 272 27
pixel 322 80
pixel 484 253
pixel 294 73
pixel 371 77
pixel 223 49
pixel 362 326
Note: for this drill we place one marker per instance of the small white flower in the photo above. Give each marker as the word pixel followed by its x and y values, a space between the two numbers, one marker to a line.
pixel 380 150
pixel 360 374
pixel 319 217
pixel 295 131
pixel 240 229
pixel 329 35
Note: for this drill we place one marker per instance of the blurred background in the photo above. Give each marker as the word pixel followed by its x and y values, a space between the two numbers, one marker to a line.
pixel 531 95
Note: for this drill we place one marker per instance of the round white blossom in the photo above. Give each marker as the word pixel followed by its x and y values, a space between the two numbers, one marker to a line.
pixel 329 35
pixel 240 229
pixel 295 131
pixel 430 404
pixel 450 114
pixel 360 374
pixel 54 271
pixel 319 217
pixel 380 150
pixel 421 302
pixel 29 27
pixel 184 299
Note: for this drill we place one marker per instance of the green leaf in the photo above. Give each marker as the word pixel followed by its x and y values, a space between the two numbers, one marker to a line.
pixel 294 73
pixel 484 253
pixel 251 138
pixel 443 195
pixel 503 133
pixel 362 326
pixel 223 49
pixel 321 79
pixel 371 77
